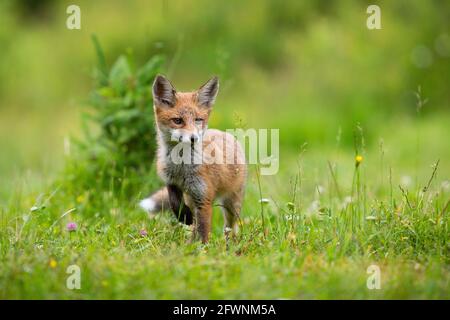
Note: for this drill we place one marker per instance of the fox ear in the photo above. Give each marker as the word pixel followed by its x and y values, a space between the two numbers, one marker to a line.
pixel 207 93
pixel 163 92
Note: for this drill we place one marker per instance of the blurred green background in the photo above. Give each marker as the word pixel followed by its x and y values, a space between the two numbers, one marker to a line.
pixel 310 68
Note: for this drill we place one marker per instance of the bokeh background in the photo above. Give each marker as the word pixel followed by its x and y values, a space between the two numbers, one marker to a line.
pixel 310 68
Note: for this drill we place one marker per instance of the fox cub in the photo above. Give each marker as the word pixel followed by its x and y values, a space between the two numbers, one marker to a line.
pixel 212 165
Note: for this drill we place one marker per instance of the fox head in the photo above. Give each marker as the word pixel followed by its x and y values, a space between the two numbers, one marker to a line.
pixel 183 116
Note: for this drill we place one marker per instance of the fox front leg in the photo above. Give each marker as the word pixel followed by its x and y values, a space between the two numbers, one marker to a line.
pixel 203 221
pixel 202 212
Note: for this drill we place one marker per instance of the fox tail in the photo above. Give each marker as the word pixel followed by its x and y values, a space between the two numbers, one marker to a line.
pixel 157 202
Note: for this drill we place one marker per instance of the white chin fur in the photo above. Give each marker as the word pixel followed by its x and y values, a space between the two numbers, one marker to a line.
pixel 148 205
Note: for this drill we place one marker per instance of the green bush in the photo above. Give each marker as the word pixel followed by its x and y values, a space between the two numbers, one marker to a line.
pixel 119 136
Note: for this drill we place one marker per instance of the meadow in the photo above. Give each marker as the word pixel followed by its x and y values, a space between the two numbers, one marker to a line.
pixel 364 177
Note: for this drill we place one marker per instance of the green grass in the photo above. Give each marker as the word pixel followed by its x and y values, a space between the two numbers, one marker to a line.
pixel 315 245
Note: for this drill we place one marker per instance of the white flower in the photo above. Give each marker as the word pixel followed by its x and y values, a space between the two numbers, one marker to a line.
pixel 314 207
pixel 406 181
pixel 346 202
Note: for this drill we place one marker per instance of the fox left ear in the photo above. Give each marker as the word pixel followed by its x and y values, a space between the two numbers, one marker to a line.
pixel 207 93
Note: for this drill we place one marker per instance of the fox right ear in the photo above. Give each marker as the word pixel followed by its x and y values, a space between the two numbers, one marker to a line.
pixel 163 92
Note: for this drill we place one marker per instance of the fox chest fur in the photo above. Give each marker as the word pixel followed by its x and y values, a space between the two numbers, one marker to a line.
pixel 184 176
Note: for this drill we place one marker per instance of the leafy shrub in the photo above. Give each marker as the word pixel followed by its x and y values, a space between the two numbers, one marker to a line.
pixel 119 136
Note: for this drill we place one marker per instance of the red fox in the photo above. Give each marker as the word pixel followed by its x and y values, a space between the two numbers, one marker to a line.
pixel 192 186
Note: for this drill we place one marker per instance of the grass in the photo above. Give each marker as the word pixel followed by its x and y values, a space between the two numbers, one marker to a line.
pixel 316 242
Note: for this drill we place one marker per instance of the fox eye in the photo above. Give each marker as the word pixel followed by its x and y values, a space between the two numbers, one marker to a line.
pixel 177 120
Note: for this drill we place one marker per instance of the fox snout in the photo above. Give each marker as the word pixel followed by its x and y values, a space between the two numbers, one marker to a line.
pixel 185 136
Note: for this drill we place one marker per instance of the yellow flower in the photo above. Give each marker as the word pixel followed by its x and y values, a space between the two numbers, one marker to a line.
pixel 80 198
pixel 52 263
pixel 358 160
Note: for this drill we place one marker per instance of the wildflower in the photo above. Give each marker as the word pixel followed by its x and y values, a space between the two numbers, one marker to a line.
pixel 80 198
pixel 345 202
pixel 314 207
pixel 71 226
pixel 406 181
pixel 143 232
pixel 445 185
pixel 358 160
pixel 264 201
pixel 52 263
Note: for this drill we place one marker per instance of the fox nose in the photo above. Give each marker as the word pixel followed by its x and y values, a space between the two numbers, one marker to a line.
pixel 194 138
